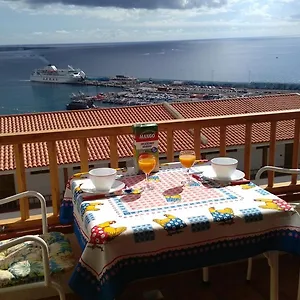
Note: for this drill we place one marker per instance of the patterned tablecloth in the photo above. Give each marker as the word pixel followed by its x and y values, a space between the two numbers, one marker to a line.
pixel 171 229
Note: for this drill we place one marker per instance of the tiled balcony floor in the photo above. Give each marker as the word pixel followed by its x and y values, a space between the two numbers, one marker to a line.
pixel 227 282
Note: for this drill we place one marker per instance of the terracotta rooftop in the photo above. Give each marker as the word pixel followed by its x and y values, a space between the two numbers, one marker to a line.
pixel 36 154
pixel 235 134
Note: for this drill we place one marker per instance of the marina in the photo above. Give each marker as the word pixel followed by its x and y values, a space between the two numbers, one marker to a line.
pixel 133 91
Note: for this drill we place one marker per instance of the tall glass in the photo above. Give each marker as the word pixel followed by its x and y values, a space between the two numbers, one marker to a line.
pixel 187 158
pixel 147 163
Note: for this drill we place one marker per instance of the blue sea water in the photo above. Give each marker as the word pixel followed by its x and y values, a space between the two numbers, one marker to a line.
pixel 237 60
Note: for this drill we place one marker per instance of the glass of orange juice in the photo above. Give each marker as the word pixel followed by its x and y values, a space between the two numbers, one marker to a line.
pixel 187 158
pixel 147 163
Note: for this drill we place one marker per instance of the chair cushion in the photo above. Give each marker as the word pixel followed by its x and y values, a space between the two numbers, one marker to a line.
pixel 23 263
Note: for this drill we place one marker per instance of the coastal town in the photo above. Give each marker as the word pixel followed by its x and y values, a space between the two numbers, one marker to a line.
pixel 145 92
pixel 131 91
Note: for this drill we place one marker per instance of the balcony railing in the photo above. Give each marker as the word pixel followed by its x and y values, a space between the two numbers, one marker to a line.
pixel 169 127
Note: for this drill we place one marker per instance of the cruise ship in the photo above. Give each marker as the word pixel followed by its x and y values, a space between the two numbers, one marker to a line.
pixel 51 74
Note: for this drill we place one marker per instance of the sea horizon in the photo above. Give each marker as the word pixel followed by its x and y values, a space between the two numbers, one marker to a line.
pixel 149 41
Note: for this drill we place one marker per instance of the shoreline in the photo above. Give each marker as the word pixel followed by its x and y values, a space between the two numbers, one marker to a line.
pixel 112 82
pixel 146 92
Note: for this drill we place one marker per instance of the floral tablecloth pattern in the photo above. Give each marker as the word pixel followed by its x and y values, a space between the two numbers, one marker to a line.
pixel 170 229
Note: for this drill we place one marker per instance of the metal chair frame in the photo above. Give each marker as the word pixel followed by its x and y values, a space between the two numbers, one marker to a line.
pixel 47 282
pixel 273 259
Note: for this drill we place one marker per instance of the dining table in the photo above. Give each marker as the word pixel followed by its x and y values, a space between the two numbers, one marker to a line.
pixel 135 234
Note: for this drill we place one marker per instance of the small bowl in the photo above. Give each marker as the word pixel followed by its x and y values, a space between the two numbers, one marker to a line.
pixel 224 167
pixel 103 178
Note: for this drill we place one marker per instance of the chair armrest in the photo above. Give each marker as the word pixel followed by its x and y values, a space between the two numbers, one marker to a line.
pixel 41 243
pixel 35 195
pixel 275 169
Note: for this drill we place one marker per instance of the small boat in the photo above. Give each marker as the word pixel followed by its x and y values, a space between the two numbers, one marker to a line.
pixel 81 96
pixel 80 104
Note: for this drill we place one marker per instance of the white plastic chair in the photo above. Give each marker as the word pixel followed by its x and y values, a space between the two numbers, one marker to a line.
pixel 47 282
pixel 257 179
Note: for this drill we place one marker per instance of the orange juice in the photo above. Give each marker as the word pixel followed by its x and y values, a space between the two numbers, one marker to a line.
pixel 187 160
pixel 147 164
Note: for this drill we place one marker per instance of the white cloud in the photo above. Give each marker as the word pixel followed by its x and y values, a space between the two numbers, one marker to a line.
pixel 113 14
pixel 62 32
pixel 171 31
pixel 256 9
pixel 83 24
pixel 286 1
pixel 117 15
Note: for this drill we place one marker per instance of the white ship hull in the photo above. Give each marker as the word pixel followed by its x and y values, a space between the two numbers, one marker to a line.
pixel 50 74
pixel 55 79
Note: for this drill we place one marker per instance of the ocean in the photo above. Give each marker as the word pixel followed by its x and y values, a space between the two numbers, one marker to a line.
pixel 225 60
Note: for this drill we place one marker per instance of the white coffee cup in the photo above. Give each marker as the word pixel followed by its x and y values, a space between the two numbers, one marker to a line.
pixel 224 167
pixel 103 178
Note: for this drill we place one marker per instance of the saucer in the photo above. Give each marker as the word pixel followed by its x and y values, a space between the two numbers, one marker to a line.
pixel 210 174
pixel 88 187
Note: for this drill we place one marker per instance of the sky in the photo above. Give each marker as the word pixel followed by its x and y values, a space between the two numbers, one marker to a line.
pixel 96 21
